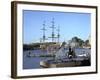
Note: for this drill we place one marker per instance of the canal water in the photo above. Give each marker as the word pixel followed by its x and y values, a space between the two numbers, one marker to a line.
pixel 34 62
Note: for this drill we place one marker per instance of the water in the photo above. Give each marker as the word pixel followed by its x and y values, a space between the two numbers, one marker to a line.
pixel 34 62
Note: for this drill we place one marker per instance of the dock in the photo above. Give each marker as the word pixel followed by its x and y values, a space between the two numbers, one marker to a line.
pixel 65 63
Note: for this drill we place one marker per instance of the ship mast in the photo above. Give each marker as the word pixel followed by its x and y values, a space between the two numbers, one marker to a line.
pixel 58 35
pixel 53 33
pixel 44 29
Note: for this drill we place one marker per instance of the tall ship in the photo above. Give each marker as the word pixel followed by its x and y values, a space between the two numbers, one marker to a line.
pixel 52 42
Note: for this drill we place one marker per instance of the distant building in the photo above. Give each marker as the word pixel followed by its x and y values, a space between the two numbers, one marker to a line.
pixel 89 39
pixel 87 43
pixel 73 43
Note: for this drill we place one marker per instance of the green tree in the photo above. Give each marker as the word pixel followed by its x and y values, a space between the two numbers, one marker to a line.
pixel 78 40
pixel 87 42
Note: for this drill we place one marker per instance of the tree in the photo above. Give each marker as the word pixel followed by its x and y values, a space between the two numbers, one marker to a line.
pixel 77 40
pixel 87 42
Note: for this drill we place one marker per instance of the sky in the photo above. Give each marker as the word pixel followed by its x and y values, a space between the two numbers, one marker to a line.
pixel 70 23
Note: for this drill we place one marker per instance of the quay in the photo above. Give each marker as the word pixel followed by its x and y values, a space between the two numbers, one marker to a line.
pixel 65 62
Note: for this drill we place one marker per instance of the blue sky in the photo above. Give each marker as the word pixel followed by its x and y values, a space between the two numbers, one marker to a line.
pixel 71 24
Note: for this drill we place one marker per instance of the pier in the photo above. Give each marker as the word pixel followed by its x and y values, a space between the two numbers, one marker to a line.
pixel 65 63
